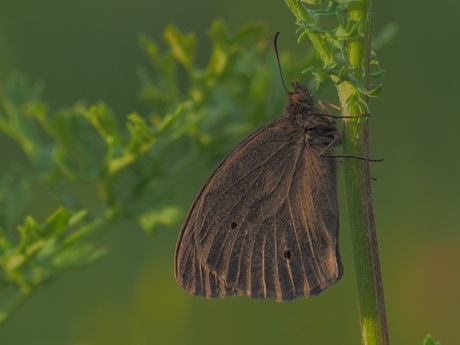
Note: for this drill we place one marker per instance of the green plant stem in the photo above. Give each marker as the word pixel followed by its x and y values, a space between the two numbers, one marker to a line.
pixel 359 13
pixel 373 323
pixel 317 39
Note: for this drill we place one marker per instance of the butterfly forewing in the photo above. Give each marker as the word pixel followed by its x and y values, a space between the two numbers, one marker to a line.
pixel 265 223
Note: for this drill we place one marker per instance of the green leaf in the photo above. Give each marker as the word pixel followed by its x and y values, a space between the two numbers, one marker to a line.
pixel 77 150
pixel 47 250
pixel 183 47
pixel 17 95
pixel 375 92
pixel 105 121
pixel 430 341
pixel 56 223
pixel 167 216
pixel 163 90
pixel 353 30
pixel 313 2
pixel 355 100
pixel 332 49
pixel 375 71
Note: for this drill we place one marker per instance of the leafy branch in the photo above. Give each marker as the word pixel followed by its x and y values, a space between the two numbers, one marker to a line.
pixel 133 164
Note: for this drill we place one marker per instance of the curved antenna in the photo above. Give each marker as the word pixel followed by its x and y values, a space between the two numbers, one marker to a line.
pixel 275 48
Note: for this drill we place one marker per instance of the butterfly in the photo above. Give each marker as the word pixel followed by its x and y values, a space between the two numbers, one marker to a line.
pixel 266 222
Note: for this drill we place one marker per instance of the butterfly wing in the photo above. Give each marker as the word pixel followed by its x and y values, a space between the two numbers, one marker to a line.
pixel 265 224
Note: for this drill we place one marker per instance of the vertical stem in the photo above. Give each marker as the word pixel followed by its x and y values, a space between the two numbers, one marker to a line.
pixel 374 328
pixel 373 323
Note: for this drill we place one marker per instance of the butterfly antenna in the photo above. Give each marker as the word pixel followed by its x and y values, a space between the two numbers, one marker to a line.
pixel 275 48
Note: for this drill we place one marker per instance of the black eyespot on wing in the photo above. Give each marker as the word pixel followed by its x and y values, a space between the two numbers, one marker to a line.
pixel 287 254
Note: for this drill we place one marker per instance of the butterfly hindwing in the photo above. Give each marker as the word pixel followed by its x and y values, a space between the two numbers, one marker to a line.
pixel 265 223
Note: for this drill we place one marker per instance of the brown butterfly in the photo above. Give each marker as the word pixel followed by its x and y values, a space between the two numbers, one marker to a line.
pixel 265 224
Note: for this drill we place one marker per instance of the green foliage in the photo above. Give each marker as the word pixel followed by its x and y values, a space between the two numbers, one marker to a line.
pixel 43 252
pixel 332 48
pixel 430 341
pixel 132 167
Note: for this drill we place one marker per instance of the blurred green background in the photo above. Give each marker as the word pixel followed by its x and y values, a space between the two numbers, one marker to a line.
pixel 89 50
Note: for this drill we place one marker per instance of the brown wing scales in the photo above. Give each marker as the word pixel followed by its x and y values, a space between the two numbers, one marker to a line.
pixel 264 225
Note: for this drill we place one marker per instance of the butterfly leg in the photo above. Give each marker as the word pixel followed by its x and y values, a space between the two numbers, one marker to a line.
pixel 323 105
pixel 335 141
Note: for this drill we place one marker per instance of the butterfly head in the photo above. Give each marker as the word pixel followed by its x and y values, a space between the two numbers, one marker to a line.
pixel 300 100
